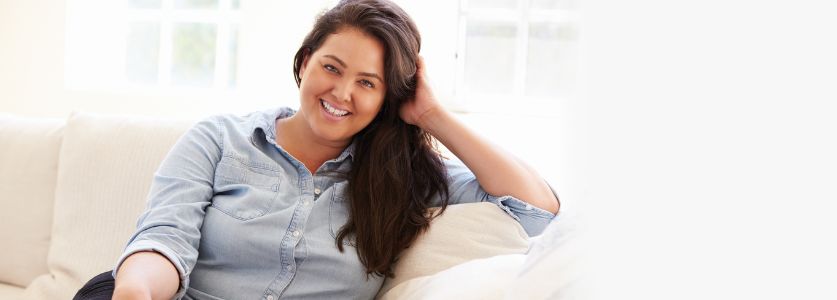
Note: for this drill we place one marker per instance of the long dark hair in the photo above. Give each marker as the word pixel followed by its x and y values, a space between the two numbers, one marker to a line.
pixel 396 170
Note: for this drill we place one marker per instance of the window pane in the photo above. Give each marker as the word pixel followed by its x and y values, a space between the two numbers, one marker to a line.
pixel 193 57
pixel 143 46
pixel 235 4
pixel 149 4
pixel 492 4
pixel 233 55
pixel 489 57
pixel 196 4
pixel 550 70
pixel 553 4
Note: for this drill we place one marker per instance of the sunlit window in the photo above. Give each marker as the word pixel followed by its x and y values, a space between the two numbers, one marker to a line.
pixel 182 42
pixel 516 54
pixel 162 43
pixel 496 56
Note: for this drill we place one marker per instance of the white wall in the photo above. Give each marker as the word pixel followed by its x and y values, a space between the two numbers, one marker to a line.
pixel 712 140
pixel 31 58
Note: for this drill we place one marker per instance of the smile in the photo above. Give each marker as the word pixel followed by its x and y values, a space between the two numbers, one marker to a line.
pixel 333 111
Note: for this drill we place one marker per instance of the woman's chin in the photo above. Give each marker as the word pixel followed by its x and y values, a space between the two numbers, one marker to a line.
pixel 332 136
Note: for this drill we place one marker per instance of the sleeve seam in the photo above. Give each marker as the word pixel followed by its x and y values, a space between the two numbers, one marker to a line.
pixel 220 135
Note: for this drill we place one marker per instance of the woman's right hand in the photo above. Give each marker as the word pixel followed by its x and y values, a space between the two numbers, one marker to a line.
pixel 415 110
pixel 146 275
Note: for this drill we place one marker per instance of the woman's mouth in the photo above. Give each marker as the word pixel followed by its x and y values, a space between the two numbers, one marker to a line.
pixel 333 111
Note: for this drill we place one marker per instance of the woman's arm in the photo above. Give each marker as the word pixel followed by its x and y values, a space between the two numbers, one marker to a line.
pixel 146 275
pixel 164 249
pixel 497 171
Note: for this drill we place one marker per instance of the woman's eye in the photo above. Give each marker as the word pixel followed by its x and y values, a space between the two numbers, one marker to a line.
pixel 331 68
pixel 367 83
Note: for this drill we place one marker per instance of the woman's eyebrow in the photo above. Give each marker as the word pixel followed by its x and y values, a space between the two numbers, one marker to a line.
pixel 340 61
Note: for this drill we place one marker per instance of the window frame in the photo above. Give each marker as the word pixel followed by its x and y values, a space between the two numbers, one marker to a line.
pixel 520 17
pixel 224 17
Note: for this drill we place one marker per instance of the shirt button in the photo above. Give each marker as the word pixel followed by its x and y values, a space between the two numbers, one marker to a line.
pixel 305 202
pixel 296 233
pixel 317 191
pixel 289 268
pixel 270 297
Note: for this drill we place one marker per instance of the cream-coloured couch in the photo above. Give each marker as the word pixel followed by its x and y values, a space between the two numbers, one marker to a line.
pixel 71 191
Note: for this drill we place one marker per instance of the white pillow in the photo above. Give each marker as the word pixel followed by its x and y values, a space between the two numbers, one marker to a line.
pixel 479 279
pixel 556 263
pixel 552 269
pixel 462 233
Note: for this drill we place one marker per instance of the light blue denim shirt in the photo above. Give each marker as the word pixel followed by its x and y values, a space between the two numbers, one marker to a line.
pixel 240 218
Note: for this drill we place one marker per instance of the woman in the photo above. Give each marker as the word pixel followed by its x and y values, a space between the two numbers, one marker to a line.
pixel 318 203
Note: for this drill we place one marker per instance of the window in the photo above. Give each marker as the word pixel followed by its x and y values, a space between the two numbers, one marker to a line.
pixel 497 56
pixel 182 42
pixel 515 55
pixel 163 43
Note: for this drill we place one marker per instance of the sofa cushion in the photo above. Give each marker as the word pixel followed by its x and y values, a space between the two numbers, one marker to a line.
pixel 478 279
pixel 556 265
pixel 10 291
pixel 104 173
pixel 462 233
pixel 29 160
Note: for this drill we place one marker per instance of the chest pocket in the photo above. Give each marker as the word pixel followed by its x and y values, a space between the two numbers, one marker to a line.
pixel 244 193
pixel 338 212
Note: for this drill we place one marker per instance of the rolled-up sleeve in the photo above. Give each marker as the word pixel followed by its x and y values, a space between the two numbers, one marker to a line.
pixel 180 192
pixel 464 187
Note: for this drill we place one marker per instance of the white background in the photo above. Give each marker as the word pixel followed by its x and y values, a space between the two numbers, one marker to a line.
pixel 711 136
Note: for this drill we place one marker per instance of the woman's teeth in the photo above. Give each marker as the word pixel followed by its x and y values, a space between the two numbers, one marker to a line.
pixel 332 110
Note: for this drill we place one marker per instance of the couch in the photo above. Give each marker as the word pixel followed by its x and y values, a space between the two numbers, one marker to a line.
pixel 72 191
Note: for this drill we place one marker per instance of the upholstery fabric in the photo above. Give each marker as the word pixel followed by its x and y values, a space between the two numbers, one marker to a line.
pixel 462 233
pixel 10 291
pixel 28 166
pixel 105 169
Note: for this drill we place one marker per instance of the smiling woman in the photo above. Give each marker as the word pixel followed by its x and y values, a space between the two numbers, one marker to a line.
pixel 328 196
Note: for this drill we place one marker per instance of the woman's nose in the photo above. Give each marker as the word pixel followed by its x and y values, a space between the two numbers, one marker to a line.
pixel 342 90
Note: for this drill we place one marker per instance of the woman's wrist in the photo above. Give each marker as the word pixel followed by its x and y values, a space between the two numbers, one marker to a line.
pixel 431 119
pixel 130 291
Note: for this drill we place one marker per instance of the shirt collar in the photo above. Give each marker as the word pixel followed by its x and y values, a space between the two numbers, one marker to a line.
pixel 264 127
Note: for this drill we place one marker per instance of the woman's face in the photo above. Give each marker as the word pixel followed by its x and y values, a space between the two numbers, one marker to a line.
pixel 342 87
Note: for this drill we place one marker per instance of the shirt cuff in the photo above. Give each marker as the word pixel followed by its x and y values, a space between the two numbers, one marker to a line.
pixel 148 245
pixel 533 219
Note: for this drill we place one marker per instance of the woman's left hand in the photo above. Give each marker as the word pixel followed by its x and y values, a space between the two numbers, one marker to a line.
pixel 415 110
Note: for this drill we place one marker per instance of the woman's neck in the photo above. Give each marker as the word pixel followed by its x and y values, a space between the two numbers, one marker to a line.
pixel 295 136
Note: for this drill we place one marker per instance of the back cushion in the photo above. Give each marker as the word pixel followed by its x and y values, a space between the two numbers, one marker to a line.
pixel 28 163
pixel 464 232
pixel 105 170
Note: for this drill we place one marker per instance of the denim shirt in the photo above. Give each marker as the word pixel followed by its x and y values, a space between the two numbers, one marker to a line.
pixel 240 218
